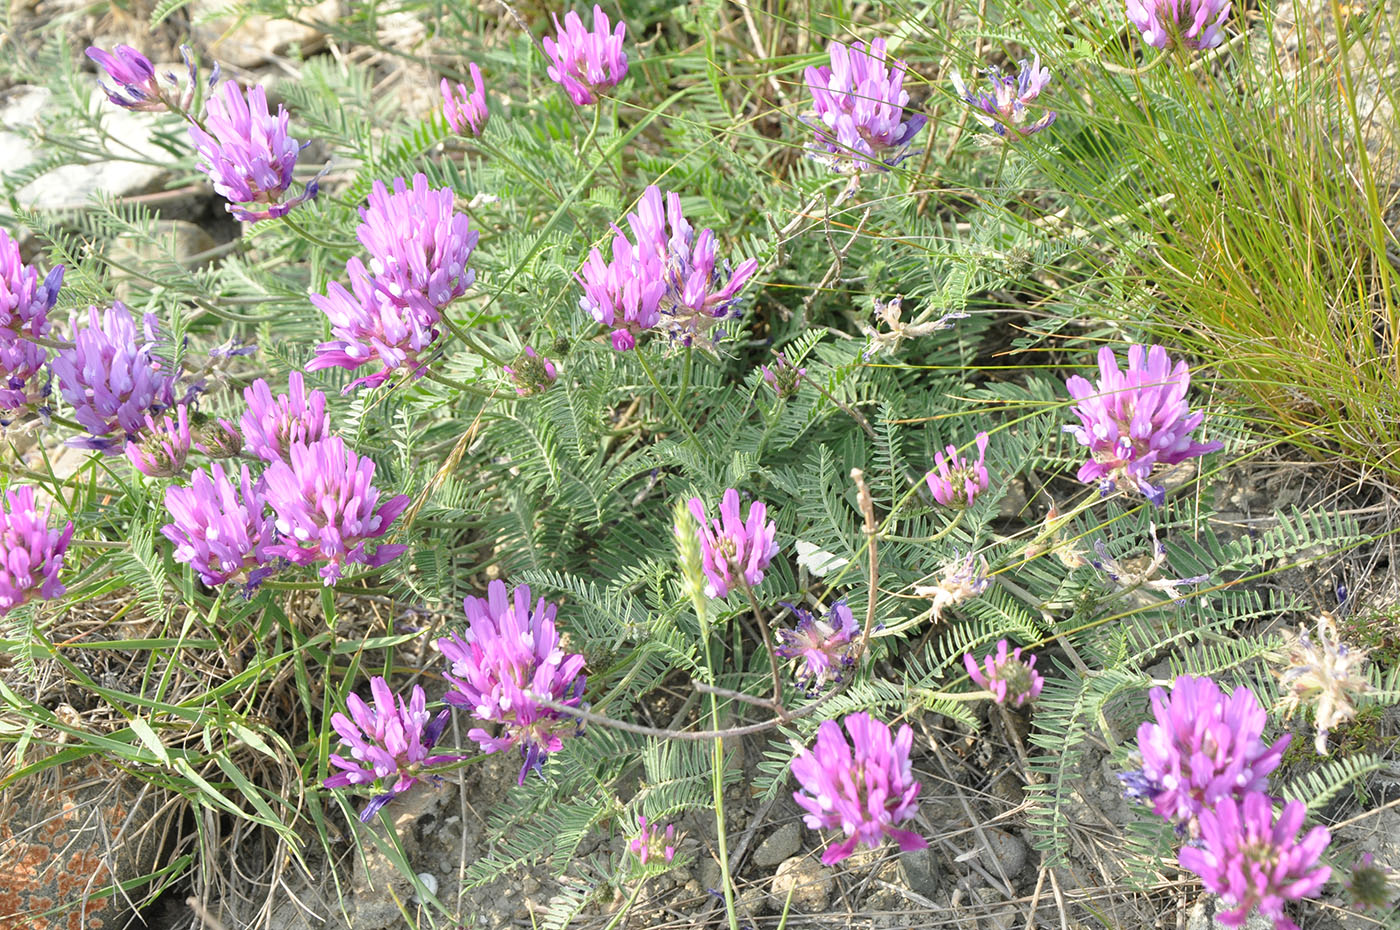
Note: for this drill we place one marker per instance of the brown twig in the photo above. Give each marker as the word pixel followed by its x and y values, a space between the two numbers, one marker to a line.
pixel 867 507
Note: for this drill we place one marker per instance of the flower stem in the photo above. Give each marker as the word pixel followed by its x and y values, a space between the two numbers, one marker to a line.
pixel 767 643
pixel 665 396
pixel 311 237
pixel 626 907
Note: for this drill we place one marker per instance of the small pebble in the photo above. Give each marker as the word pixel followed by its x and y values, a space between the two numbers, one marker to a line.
pixel 429 883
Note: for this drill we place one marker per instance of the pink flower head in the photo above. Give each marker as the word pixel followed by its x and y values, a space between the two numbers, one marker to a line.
pixel 371 326
pixel 1006 107
pixel 1012 680
pixel 1203 747
pixel 160 450
pixel 270 427
pixel 111 377
pixel 859 108
pixel 1252 861
pixel 625 293
pixel 1191 24
pixel 956 482
pixel 21 363
pixel 418 244
pixel 732 546
pixel 248 153
pixel 1136 419
pixel 136 86
pixel 465 110
pixel 219 527
pixel 531 373
pixel 826 649
pixel 31 552
pixel 218 439
pixel 863 794
pixel 25 301
pixel 508 659
pixel 328 509
pixel 651 842
pixel 389 742
pixel 784 377
pixel 584 62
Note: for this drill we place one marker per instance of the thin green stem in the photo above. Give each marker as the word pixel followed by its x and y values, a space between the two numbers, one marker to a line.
pixel 767 642
pixel 716 764
pixel 666 397
pixel 471 341
pixel 457 385
pixel 312 237
pixel 626 907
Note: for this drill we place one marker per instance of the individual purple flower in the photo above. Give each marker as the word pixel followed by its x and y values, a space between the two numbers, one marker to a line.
pixel 825 648
pixel 418 244
pixel 111 376
pixel 1134 420
pixel 625 293
pixel 370 326
pixel 859 108
pixel 465 110
pixel 584 62
pixel 31 552
pixel 651 842
pixel 1006 107
pixel 955 481
pixel 136 85
pixel 218 439
pixel 21 363
pixel 248 154
pixel 531 373
pixel 160 450
pixel 1204 747
pixel 1252 861
pixel 1190 24
pixel 862 793
pixel 390 743
pixel 220 528
pixel 509 659
pixel 735 550
pixel 328 509
pixel 271 426
pixel 1013 681
pixel 783 377
pixel 25 301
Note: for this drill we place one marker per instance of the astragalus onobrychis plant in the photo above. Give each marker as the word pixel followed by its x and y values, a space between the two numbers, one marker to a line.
pixel 653 427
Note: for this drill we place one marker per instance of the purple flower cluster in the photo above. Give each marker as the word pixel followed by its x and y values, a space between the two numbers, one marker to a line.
pixel 584 62
pixel 784 377
pixel 735 550
pixel 1253 861
pixel 955 481
pixel 863 787
pixel 1136 419
pixel 161 449
pixel 825 648
pixel 1013 681
pixel 651 842
pixel 25 302
pixel 248 153
pixel 271 427
pixel 136 86
pixel 508 660
pixel 389 742
pixel 465 110
pixel 220 528
pixel 670 279
pixel 111 377
pixel 419 248
pixel 1190 24
pixel 1006 107
pixel 531 373
pixel 859 108
pixel 31 552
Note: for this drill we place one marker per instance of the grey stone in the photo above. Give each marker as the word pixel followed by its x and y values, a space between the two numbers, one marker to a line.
pixel 176 239
pixel 1202 917
pixel 250 41
pixel 1008 853
pixel 918 872
pixel 780 844
pixel 807 880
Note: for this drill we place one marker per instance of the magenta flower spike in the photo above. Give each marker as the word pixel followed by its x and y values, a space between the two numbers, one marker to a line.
pixel 651 842
pixel 25 301
pixel 734 547
pixel 1013 681
pixel 955 481
pixel 1203 748
pixel 160 450
pixel 531 373
pixel 825 648
pixel 625 293
pixel 31 552
pixel 508 658
pixel 112 377
pixel 862 787
pixel 465 110
pixel 1253 861
pixel 390 743
pixel 584 62
pixel 1189 24
pixel 136 86
pixel 1006 107
pixel 328 509
pixel 270 427
pixel 1134 420
pixel 220 528
pixel 249 154
pixel 859 108
pixel 417 243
